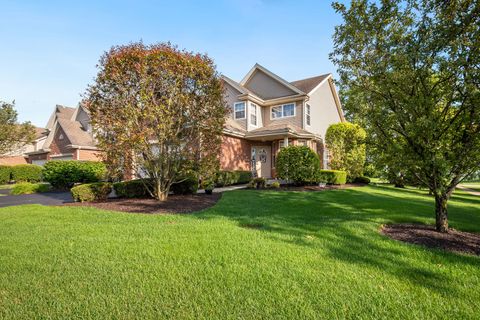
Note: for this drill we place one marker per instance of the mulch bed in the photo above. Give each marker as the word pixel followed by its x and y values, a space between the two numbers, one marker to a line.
pixel 426 235
pixel 174 204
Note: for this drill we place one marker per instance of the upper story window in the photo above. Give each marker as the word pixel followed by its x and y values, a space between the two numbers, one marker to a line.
pixel 307 115
pixel 283 111
pixel 239 110
pixel 253 114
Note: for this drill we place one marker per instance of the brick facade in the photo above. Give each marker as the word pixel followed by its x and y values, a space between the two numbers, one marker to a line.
pixel 11 161
pixel 90 155
pixel 235 154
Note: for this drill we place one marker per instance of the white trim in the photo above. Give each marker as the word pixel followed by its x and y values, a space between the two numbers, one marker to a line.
pixel 244 110
pixel 62 155
pixel 282 106
pixel 272 75
pixel 309 108
pixel 320 84
pixel 253 106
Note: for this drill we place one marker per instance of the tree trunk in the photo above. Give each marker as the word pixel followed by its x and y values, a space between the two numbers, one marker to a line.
pixel 162 196
pixel 160 193
pixel 441 215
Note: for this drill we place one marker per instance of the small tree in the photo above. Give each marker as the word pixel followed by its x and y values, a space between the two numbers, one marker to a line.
pixel 13 135
pixel 159 112
pixel 299 164
pixel 409 74
pixel 346 142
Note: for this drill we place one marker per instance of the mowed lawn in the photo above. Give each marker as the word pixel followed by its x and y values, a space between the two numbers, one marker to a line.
pixel 255 255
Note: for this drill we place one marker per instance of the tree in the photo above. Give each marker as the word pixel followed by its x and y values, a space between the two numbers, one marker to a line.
pixel 346 142
pixel 13 135
pixel 159 112
pixel 409 72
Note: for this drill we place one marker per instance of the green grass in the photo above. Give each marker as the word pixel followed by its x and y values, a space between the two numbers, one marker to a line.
pixel 309 255
pixel 6 186
pixel 29 188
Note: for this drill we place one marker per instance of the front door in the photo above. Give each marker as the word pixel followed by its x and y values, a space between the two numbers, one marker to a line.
pixel 262 161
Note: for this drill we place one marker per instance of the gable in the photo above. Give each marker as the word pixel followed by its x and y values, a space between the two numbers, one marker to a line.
pixel 266 87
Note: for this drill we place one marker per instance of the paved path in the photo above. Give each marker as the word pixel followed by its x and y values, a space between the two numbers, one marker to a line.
pixel 223 189
pixel 47 199
pixel 468 190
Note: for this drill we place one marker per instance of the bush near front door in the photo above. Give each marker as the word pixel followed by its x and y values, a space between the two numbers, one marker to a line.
pixel 298 164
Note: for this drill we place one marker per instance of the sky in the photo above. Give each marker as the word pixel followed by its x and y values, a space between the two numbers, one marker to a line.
pixel 49 49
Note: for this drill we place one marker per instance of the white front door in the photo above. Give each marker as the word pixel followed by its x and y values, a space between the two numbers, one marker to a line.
pixel 262 159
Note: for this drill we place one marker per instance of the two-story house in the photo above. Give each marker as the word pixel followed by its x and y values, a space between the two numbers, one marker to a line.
pixel 268 113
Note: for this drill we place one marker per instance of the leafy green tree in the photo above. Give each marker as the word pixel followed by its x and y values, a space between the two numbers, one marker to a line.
pixel 346 143
pixel 409 72
pixel 13 135
pixel 159 112
pixel 299 164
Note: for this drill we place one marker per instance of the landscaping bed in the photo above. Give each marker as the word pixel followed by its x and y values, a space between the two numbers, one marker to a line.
pixel 174 204
pixel 323 188
pixel 426 235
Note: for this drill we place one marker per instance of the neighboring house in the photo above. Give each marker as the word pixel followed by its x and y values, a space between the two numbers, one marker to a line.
pixel 69 137
pixel 268 113
pixel 18 156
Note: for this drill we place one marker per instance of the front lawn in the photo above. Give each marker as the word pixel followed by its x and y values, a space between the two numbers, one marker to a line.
pixel 256 254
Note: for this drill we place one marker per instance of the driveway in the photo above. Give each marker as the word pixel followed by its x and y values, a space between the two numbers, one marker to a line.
pixel 47 199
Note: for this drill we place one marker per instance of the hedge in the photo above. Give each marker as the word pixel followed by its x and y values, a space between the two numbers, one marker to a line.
pixel 362 179
pixel 227 178
pixel 5 174
pixel 187 186
pixel 27 173
pixel 333 176
pixel 64 174
pixel 131 189
pixel 91 191
pixel 298 164
pixel 28 188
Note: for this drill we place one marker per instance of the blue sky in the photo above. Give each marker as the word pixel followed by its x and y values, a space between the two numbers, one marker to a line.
pixel 50 48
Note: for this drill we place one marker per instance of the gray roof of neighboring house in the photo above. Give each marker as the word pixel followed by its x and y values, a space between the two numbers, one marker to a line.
pixel 278 128
pixel 307 85
pixel 40 132
pixel 75 133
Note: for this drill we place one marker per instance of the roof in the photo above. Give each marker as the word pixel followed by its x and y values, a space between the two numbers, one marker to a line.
pixel 65 112
pixel 75 133
pixel 278 128
pixel 40 132
pixel 308 84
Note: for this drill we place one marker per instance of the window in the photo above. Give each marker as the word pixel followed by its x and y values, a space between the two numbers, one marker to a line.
pixel 302 143
pixel 253 115
pixel 239 109
pixel 307 114
pixel 283 111
pixel 326 158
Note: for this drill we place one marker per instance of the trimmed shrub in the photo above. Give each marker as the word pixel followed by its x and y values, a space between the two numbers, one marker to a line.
pixel 64 174
pixel 132 189
pixel 298 164
pixel 91 191
pixel 5 174
pixel 362 179
pixel 228 178
pixel 275 185
pixel 257 183
pixel 333 176
pixel 29 188
pixel 187 186
pixel 27 173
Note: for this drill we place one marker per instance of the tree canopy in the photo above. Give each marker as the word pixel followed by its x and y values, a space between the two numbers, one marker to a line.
pixel 13 135
pixel 410 74
pixel 157 111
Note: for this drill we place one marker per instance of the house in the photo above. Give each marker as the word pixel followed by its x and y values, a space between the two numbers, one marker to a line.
pixel 18 156
pixel 69 137
pixel 268 113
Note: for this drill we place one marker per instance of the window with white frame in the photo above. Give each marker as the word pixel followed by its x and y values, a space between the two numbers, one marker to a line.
pixel 253 114
pixel 239 110
pixel 307 115
pixel 283 111
pixel 326 158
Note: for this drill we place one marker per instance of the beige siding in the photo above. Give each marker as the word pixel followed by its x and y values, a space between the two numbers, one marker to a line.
pixel 297 120
pixel 323 110
pixel 266 87
pixel 231 95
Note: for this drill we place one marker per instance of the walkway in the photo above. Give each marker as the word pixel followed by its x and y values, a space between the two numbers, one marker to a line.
pixel 468 190
pixel 46 199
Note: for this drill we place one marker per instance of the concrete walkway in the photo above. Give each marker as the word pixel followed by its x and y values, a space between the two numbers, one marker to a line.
pixel 46 199
pixel 468 190
pixel 223 189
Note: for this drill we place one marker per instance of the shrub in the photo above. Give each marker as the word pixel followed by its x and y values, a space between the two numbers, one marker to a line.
pixel 28 188
pixel 346 144
pixel 188 186
pixel 27 173
pixel 64 174
pixel 333 176
pixel 5 174
pixel 132 189
pixel 361 179
pixel 275 185
pixel 228 178
pixel 91 191
pixel 298 164
pixel 258 183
